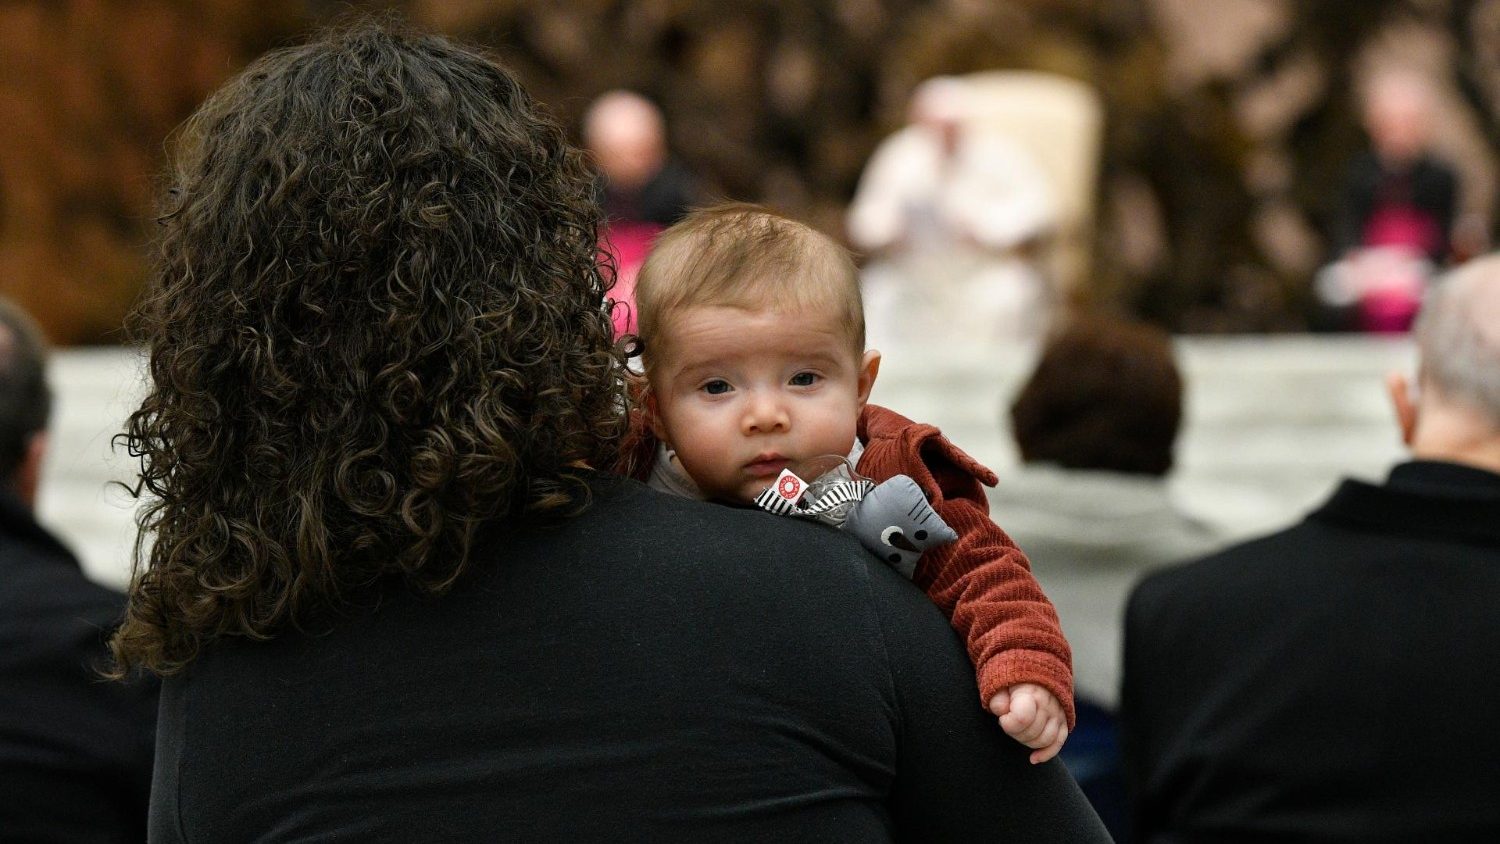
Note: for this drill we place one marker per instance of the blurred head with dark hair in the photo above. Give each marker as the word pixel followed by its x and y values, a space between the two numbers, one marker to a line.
pixel 1105 395
pixel 25 399
pixel 376 322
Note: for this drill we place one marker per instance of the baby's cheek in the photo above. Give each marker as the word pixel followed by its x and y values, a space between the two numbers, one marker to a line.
pixel 846 440
pixel 705 472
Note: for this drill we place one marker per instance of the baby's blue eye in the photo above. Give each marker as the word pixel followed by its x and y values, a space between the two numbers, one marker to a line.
pixel 804 379
pixel 716 387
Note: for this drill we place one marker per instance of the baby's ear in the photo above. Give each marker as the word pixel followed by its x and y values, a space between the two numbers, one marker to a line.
pixel 653 416
pixel 869 367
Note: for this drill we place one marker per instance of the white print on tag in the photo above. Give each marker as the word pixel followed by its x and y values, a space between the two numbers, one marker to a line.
pixel 789 486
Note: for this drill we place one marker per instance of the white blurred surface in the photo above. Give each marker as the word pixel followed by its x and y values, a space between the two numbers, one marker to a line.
pixel 1272 424
pixel 93 391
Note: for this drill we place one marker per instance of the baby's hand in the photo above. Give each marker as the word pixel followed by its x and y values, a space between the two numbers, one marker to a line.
pixel 1032 716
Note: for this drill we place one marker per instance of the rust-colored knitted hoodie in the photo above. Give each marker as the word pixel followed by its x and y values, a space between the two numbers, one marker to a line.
pixel 982 582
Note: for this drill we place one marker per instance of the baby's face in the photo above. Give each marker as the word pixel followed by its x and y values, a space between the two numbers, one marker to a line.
pixel 741 395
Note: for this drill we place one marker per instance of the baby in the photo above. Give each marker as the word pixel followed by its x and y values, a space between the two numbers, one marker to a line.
pixel 752 336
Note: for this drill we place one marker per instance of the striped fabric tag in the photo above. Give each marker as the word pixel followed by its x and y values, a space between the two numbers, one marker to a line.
pixel 783 496
pixel 786 496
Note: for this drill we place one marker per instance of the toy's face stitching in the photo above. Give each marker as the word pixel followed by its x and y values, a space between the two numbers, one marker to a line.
pixel 896 538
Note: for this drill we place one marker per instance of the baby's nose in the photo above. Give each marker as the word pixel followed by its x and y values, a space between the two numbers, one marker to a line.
pixel 766 414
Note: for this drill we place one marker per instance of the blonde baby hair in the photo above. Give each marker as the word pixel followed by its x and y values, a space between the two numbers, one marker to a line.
pixel 744 256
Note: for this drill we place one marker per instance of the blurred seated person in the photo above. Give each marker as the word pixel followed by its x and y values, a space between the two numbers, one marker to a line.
pixel 1335 681
pixel 948 211
pixel 75 752
pixel 641 189
pixel 1397 213
pixel 1095 426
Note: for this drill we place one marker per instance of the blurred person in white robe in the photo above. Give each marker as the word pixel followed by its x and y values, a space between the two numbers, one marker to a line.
pixel 949 213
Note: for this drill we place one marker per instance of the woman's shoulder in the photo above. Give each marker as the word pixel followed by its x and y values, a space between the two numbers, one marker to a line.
pixel 645 518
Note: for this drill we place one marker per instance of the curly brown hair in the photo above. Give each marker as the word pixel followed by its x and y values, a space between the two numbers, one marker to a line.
pixel 377 322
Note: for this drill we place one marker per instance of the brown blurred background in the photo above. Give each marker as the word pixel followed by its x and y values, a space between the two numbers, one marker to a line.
pixel 1228 122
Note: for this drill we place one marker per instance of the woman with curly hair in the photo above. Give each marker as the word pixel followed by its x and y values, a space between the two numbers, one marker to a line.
pixel 392 597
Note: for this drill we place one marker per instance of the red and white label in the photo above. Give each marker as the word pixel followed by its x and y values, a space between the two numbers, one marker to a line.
pixel 789 486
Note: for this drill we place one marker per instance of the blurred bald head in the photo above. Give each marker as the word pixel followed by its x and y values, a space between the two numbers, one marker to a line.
pixel 1458 337
pixel 628 137
pixel 1398 110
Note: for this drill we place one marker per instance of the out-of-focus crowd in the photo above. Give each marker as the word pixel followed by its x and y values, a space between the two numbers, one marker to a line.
pixel 974 219
pixel 1330 681
pixel 1222 158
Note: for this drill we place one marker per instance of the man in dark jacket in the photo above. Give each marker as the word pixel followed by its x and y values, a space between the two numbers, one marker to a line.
pixel 1337 681
pixel 75 751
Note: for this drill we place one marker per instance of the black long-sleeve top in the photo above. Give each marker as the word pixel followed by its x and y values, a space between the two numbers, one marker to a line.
pixel 655 669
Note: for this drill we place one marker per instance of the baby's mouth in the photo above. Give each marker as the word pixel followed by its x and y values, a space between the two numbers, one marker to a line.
pixel 767 465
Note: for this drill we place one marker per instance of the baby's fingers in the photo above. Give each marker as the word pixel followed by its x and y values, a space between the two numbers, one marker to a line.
pixel 1021 722
pixel 1048 736
pixel 1051 750
pixel 1041 732
pixel 1000 703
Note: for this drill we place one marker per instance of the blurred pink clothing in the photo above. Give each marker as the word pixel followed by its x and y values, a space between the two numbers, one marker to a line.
pixel 629 243
pixel 1391 308
pixel 1402 224
pixel 1389 311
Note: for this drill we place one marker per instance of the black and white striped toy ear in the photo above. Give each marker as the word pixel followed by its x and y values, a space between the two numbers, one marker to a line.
pixel 772 502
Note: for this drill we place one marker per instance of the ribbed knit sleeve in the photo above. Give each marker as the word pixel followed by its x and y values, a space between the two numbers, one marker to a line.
pixel 982 582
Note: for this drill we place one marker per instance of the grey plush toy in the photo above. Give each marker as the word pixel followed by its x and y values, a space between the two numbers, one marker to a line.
pixel 892 519
pixel 895 522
